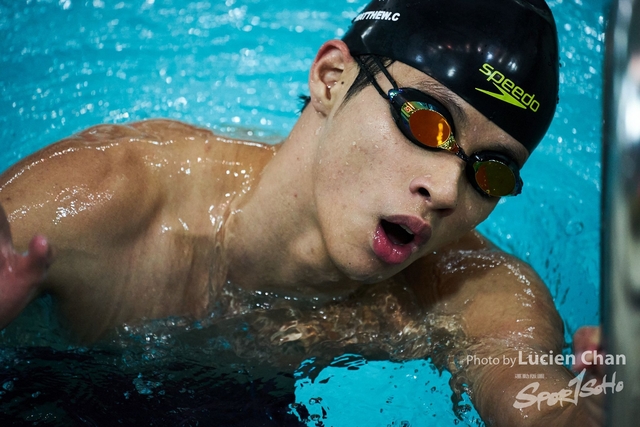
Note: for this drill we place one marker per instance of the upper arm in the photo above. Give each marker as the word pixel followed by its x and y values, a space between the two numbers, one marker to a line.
pixel 505 311
pixel 508 314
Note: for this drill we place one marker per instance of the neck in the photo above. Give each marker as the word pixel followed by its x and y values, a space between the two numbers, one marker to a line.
pixel 273 241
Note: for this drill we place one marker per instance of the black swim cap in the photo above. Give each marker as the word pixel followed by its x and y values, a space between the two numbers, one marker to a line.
pixel 501 56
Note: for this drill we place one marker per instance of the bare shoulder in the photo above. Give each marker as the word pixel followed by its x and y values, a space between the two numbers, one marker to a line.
pixel 116 177
pixel 70 181
pixel 495 294
pixel 72 184
pixel 184 138
pixel 121 144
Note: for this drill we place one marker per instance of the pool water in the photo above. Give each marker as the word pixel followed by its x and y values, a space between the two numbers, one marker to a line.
pixel 237 67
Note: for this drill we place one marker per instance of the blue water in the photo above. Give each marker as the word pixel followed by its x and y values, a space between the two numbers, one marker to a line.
pixel 236 67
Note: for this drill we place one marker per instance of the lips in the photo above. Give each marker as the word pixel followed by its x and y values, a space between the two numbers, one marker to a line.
pixel 397 237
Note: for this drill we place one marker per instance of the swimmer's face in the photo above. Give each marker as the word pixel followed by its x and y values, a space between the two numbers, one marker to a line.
pixel 382 202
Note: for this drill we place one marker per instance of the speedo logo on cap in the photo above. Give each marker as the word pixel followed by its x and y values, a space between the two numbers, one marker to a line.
pixel 379 15
pixel 508 91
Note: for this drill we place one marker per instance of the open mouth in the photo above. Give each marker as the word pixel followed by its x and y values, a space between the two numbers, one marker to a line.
pixel 398 237
pixel 398 234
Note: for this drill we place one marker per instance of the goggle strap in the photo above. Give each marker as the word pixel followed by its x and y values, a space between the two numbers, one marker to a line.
pixel 372 78
pixel 385 72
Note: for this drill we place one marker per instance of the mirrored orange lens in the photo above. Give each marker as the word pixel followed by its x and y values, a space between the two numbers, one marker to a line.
pixel 429 127
pixel 495 178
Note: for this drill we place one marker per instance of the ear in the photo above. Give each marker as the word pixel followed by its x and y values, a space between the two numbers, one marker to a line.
pixel 327 77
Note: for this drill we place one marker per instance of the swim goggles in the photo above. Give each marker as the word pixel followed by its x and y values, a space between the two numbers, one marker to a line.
pixel 429 125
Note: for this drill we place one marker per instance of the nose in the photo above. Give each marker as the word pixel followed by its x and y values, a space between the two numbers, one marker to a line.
pixel 440 185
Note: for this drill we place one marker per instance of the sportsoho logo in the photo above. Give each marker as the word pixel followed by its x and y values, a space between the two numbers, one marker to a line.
pixel 509 92
pixel 379 15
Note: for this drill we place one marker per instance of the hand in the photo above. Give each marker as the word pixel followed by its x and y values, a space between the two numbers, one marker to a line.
pixel 586 343
pixel 20 275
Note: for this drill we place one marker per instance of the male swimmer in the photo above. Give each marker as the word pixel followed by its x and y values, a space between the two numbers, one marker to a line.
pixel 418 122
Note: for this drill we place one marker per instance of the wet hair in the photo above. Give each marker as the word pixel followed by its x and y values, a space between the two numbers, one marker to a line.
pixel 361 81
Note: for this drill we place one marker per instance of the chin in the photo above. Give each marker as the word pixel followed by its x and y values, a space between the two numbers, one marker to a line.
pixel 373 271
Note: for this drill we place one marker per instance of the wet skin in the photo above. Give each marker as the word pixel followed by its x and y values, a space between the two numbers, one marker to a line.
pixel 149 220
